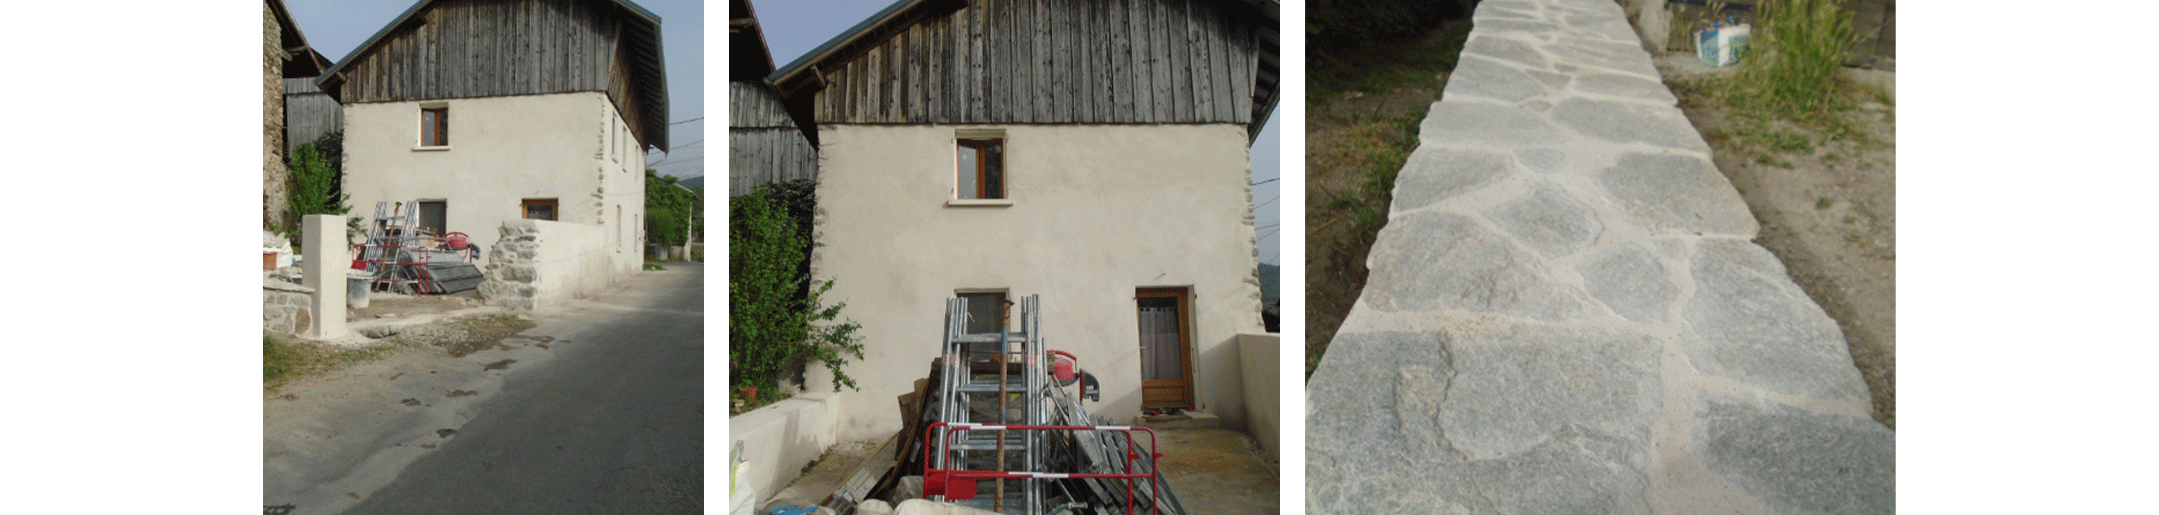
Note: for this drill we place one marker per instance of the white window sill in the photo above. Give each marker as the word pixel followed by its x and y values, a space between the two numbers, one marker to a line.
pixel 969 202
pixel 444 148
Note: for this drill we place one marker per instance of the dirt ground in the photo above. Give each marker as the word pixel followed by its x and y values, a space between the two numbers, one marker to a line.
pixel 1829 213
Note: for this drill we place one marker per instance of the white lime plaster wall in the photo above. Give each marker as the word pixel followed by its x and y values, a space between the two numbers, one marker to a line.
pixel 1094 212
pixel 572 147
pixel 1260 355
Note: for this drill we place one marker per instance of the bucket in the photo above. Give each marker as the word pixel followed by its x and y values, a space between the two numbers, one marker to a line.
pixel 356 289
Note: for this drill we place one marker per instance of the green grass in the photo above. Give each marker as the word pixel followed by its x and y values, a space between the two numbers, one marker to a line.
pixel 1375 67
pixel 1788 96
pixel 284 361
pixel 1799 48
pixel 1823 203
pixel 279 361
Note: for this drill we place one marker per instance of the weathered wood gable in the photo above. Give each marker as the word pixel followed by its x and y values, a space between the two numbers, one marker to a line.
pixel 1049 61
pixel 763 144
pixel 309 113
pixel 483 48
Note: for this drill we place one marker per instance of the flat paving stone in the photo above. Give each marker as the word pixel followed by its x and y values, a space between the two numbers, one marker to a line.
pixel 1518 23
pixel 1676 194
pixel 1625 122
pixel 1627 86
pixel 1504 49
pixel 1477 122
pixel 1379 453
pixel 1802 462
pixel 1541 160
pixel 1433 174
pixel 1445 260
pixel 1477 76
pixel 1353 399
pixel 1748 322
pixel 1601 58
pixel 1548 220
pixel 1512 391
pixel 1631 281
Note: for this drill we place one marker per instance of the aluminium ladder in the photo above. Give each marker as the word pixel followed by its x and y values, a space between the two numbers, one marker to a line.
pixel 963 391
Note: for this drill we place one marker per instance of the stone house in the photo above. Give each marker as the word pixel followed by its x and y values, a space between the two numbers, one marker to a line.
pixel 484 112
pixel 1094 153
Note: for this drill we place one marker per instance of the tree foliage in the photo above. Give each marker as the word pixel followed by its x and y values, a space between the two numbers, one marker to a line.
pixel 317 167
pixel 775 312
pixel 661 194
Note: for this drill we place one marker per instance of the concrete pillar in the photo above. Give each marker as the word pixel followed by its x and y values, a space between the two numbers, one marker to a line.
pixel 323 268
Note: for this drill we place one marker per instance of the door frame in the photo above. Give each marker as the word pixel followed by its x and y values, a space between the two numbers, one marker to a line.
pixel 1189 384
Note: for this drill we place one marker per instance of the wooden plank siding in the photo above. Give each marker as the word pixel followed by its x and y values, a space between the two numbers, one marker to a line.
pixel 763 143
pixel 1050 61
pixel 309 113
pixel 488 48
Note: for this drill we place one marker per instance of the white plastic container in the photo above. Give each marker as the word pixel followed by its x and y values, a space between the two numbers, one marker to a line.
pixel 1723 46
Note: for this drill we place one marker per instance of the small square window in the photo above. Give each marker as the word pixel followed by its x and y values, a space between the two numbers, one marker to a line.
pixel 981 168
pixel 539 209
pixel 435 127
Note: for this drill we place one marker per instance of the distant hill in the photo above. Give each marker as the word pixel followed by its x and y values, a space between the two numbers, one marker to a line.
pixel 1270 283
pixel 693 182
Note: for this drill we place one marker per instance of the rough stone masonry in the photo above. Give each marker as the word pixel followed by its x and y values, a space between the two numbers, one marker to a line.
pixel 1566 312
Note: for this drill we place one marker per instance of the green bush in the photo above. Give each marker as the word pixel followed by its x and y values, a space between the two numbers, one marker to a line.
pixel 1799 46
pixel 662 227
pixel 661 194
pixel 315 184
pixel 773 314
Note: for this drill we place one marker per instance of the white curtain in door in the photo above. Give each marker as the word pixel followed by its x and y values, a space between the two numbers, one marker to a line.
pixel 1159 345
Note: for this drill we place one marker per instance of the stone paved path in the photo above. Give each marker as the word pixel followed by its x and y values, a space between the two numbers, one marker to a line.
pixel 1566 313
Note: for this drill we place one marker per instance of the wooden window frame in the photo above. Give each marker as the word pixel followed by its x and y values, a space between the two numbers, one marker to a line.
pixel 991 184
pixel 554 209
pixel 441 126
pixel 989 168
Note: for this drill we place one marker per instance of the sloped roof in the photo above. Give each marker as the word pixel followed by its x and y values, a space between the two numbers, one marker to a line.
pixel 1266 93
pixel 644 35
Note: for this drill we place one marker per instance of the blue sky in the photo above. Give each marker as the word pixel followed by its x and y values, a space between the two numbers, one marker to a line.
pixel 337 27
pixel 794 27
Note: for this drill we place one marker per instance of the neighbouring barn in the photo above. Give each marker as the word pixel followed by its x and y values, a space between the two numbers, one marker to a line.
pixel 1094 153
pixel 764 144
pixel 491 111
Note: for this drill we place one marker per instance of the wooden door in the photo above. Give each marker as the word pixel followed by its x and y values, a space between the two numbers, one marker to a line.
pixel 1165 347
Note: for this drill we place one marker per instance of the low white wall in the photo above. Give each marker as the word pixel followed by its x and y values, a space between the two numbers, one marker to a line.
pixel 777 440
pixel 1261 357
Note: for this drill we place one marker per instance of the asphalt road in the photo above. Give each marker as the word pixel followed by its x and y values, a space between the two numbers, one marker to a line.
pixel 616 425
